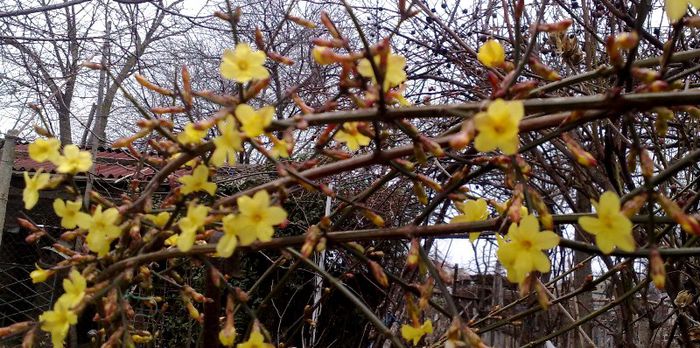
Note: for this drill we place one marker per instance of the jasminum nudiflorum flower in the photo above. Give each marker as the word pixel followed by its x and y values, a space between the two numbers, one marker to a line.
pixel 42 150
pixel 498 126
pixel 57 322
pixel 521 252
pixel 351 136
pixel 394 75
pixel 414 334
pixel 32 186
pixel 228 242
pixel 191 134
pixel 197 181
pixel 242 64
pixel 256 340
pixel 322 55
pixel 676 9
pixel 189 225
pixel 74 286
pixel 611 227
pixel 74 160
pixel 160 219
pixel 40 275
pixel 253 122
pixel 70 214
pixel 228 144
pixel 491 54
pixel 102 230
pixel 227 336
pixel 280 148
pixel 256 218
pixel 471 210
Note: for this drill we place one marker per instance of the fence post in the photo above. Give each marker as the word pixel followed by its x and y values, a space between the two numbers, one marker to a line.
pixel 6 162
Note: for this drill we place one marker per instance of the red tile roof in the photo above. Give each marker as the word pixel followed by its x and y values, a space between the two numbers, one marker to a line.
pixel 109 163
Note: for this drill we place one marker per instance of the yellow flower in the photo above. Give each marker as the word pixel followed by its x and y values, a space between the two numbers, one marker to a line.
pixel 73 160
pixel 57 322
pixel 676 9
pixel 611 228
pixel 32 185
pixel 172 240
pixel 42 150
pixel 190 224
pixel 227 336
pixel 40 275
pixel 410 333
pixel 351 136
pixel 228 242
pixel 253 122
pixel 395 73
pixel 256 340
pixel 159 220
pixel 472 210
pixel 280 148
pixel 102 230
pixel 322 55
pixel 74 287
pixel 243 64
pixel 70 214
pixel 498 126
pixel 523 252
pixel 256 218
pixel 191 134
pixel 198 181
pixel 491 54
pixel 227 144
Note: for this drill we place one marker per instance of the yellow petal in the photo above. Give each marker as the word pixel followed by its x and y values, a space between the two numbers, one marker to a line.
pixel 604 243
pixel 491 54
pixel 590 224
pixel 545 240
pixel 473 236
pixel 541 261
pixel 227 244
pixel 676 9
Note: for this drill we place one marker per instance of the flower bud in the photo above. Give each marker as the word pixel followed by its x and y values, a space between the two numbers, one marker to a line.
pixel 645 75
pixel 627 40
pixel 688 223
pixel 193 312
pixel 542 296
pixel 657 270
pixel 419 190
pixel 555 27
pixel 374 217
pixel 543 71
pixel 303 22
pixel 647 164
pixel 259 39
pixel 663 116
pixel 153 87
pixel 280 58
pixel 632 206
pixel 413 254
pixel 583 157
pixel 420 155
pixel 40 275
pixel 186 87
pixel 326 20
pixel 378 274
pixel 460 140
pixel 221 15
pixel 15 328
pixel 312 236
pixel 168 110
